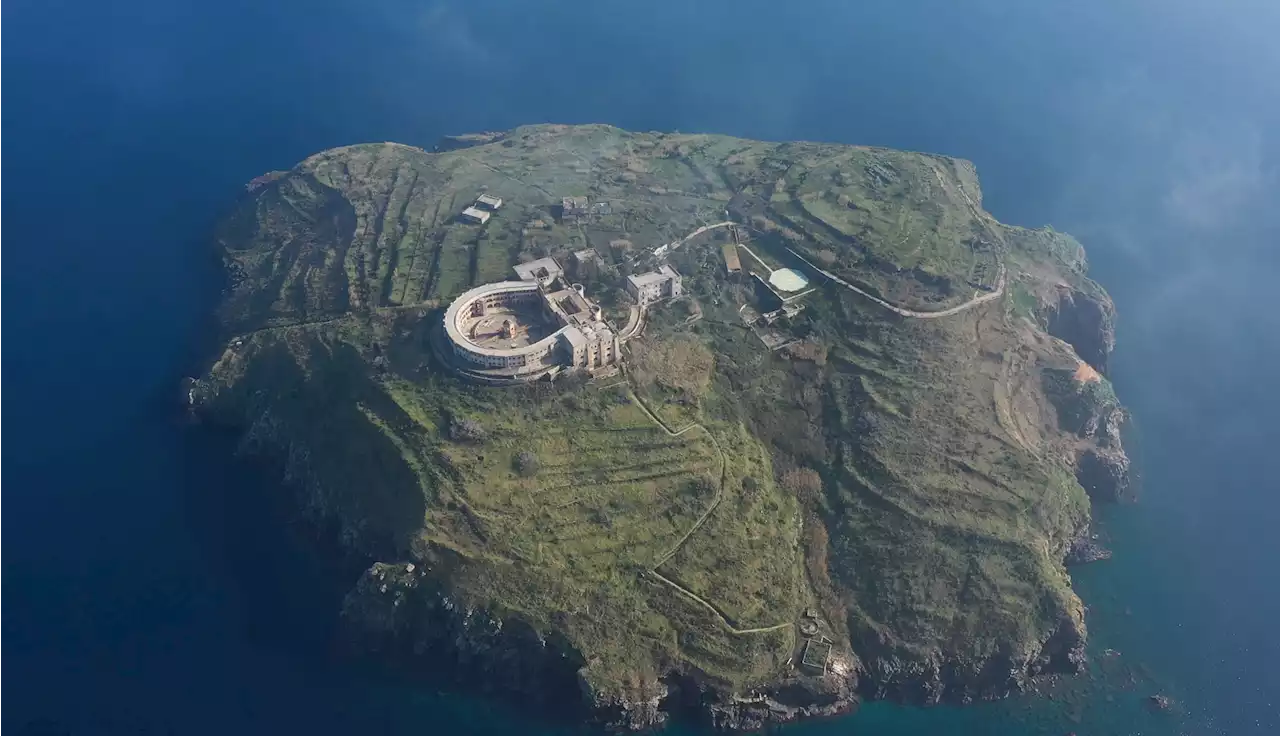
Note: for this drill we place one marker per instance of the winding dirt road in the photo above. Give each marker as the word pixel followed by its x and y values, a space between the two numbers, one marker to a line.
pixel 975 301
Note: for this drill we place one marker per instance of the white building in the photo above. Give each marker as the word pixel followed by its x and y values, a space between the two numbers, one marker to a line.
pixel 583 341
pixel 488 202
pixel 650 287
pixel 478 216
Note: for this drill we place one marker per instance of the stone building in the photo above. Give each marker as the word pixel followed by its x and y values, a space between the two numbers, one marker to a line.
pixel 578 337
pixel 655 285
pixel 542 271
pixel 574 207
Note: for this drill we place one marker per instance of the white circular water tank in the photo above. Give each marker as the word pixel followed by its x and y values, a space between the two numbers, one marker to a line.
pixel 788 279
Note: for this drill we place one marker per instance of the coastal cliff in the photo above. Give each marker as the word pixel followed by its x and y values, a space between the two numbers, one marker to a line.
pixel 785 503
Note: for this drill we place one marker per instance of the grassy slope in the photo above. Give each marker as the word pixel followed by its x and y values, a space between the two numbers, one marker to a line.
pixel 944 507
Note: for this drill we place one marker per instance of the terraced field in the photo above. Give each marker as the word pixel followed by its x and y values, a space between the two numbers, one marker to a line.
pixel 613 491
pixel 765 566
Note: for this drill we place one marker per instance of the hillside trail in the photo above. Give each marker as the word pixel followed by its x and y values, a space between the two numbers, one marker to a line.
pixel 715 502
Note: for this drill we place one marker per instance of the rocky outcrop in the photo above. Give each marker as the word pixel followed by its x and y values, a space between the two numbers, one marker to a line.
pixel 1104 474
pixel 641 708
pixel 467 140
pixel 1086 322
pixel 1085 549
pixel 1103 470
pixel 401 614
pixel 1091 412
pixel 803 697
pixel 932 681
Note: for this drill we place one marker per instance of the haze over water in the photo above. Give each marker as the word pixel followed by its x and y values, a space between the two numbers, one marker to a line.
pixel 141 599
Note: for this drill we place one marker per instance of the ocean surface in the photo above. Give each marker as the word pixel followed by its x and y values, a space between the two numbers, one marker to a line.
pixel 139 598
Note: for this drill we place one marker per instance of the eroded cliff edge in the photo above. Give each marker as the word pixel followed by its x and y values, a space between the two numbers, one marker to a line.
pixel 877 503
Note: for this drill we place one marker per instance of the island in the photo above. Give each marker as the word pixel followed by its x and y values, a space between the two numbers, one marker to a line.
pixel 657 424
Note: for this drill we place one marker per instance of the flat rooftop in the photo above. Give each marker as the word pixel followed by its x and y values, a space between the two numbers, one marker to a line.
pixel 732 263
pixel 539 270
pixel 653 277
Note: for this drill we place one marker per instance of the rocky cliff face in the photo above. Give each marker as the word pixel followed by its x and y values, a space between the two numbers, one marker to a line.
pixel 399 612
pixel 1104 473
pixel 1086 321
pixel 402 613
pixel 940 679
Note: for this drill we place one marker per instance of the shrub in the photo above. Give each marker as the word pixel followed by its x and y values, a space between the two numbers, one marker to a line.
pixel 804 482
pixel 527 464
pixel 467 430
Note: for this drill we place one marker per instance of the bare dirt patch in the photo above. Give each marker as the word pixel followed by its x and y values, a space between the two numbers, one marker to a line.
pixel 1085 373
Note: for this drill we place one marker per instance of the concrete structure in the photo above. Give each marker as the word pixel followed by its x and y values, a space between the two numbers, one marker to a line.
pixel 788 280
pixel 587 262
pixel 488 202
pixel 477 216
pixel 543 271
pixel 654 285
pixel 572 207
pixel 520 331
pixel 732 264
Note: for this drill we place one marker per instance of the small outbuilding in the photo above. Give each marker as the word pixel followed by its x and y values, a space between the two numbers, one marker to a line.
pixel 573 207
pixel 475 215
pixel 732 264
pixel 488 202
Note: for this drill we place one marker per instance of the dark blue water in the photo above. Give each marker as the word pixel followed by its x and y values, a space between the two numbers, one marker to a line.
pixel 138 601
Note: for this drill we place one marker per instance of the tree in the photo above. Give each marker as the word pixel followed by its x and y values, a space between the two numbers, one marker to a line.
pixel 804 482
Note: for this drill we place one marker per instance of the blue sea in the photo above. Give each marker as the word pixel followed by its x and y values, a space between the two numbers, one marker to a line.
pixel 141 598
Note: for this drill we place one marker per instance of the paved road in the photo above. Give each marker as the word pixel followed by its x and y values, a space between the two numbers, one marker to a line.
pixel 700 231
pixel 635 321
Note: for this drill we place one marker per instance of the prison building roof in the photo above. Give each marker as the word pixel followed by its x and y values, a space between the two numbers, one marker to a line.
pixel 542 270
